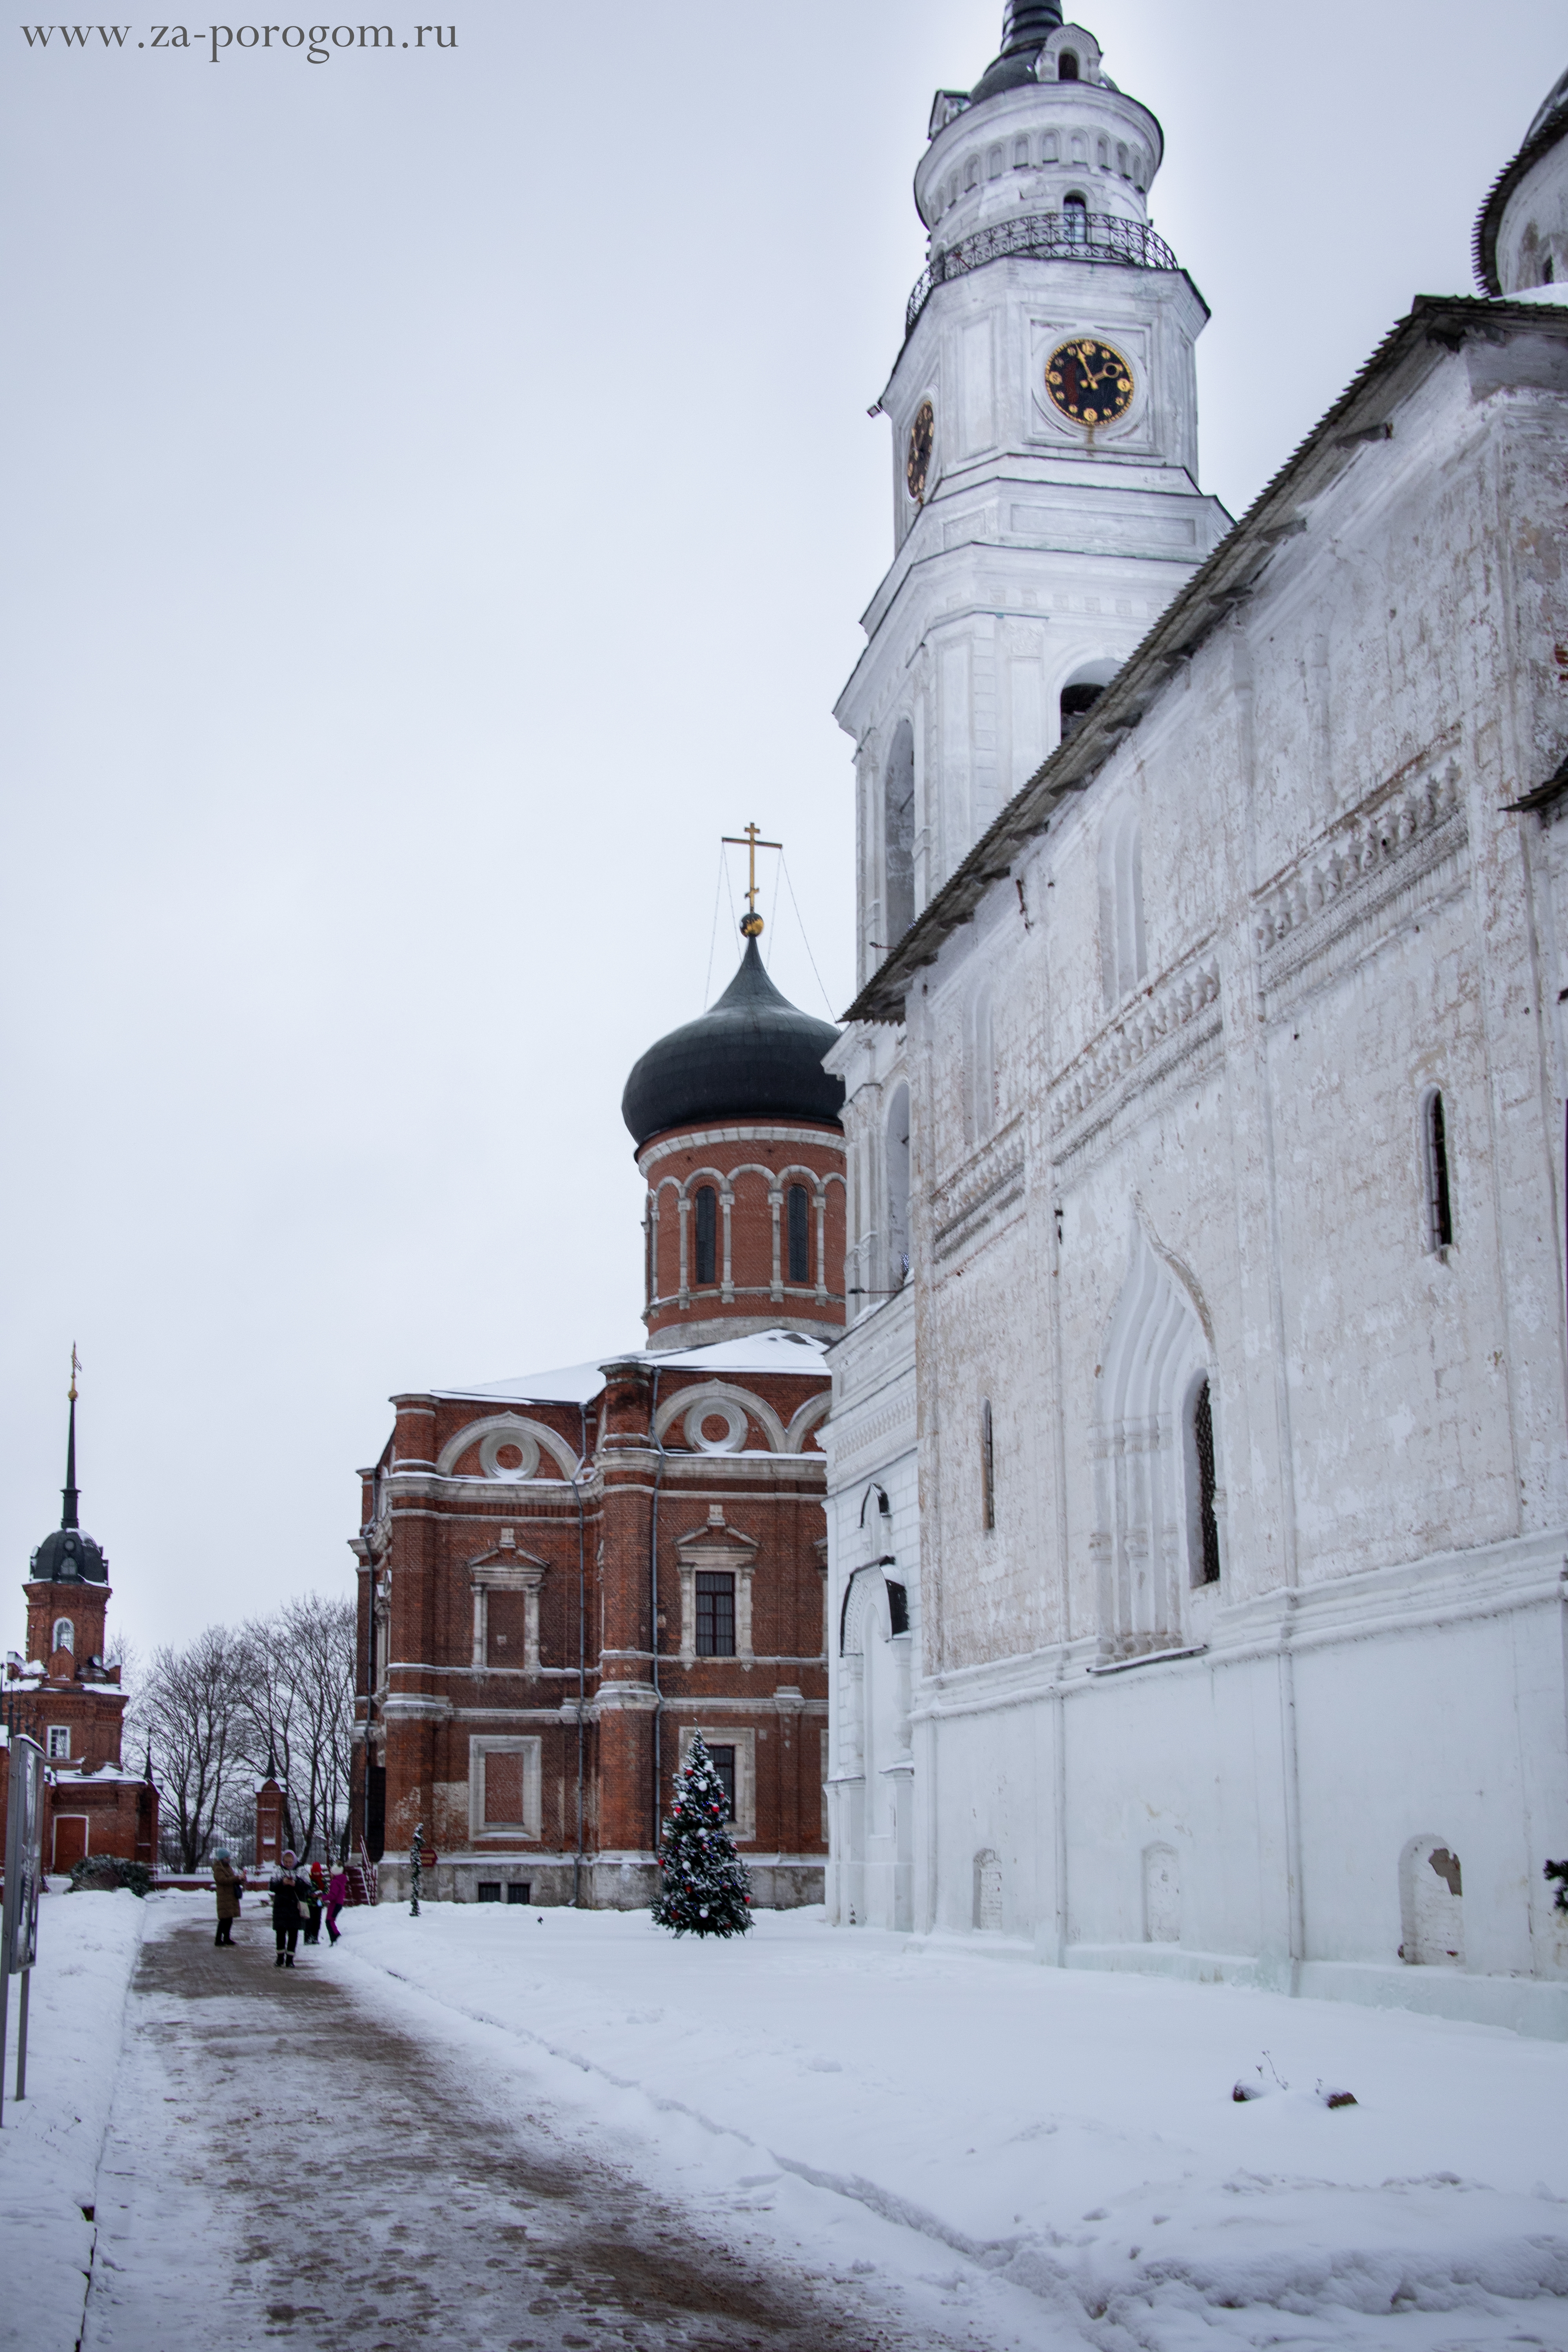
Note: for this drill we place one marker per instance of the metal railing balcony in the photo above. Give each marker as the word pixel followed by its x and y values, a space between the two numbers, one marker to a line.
pixel 1069 235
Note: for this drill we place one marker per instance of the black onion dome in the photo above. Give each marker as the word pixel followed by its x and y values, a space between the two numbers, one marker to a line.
pixel 751 1054
pixel 67 1555
pixel 1026 28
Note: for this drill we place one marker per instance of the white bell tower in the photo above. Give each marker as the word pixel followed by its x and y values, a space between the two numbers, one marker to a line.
pixel 1044 413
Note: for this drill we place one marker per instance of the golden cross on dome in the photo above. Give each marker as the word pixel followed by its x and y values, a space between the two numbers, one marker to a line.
pixel 76 1367
pixel 751 841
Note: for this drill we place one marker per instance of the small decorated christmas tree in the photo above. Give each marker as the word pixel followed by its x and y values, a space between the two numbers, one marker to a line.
pixel 704 1888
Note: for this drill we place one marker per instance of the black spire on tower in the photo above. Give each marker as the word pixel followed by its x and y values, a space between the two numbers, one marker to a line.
pixel 68 1516
pixel 1027 24
pixel 66 1554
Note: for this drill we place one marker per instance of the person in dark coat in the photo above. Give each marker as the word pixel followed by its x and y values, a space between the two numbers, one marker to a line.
pixel 229 1887
pixel 289 1887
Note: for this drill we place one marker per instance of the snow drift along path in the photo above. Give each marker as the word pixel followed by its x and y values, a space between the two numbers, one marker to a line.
pixel 52 2139
pixel 985 2124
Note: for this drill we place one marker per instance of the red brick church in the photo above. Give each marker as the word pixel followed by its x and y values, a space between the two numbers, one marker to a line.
pixel 564 1577
pixel 61 1693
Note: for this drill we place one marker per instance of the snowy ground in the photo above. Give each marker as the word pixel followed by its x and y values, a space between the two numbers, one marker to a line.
pixel 1056 2156
pixel 52 2140
pixel 491 2126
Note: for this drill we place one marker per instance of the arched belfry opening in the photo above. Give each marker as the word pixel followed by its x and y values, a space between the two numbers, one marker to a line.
pixel 896 1152
pixel 1083 689
pixel 1159 1505
pixel 898 835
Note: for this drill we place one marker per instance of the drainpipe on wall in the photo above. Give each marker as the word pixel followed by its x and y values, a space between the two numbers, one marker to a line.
pixel 653 1604
pixel 582 1648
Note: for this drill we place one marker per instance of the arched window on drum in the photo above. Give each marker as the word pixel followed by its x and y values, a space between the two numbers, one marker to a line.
pixel 799 1233
pixel 707 1251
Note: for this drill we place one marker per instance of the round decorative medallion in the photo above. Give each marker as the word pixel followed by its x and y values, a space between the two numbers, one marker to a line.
pixel 917 464
pixel 715 1425
pixel 510 1454
pixel 1090 382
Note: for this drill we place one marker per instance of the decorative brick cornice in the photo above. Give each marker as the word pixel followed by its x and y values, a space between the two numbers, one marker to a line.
pixel 989 1182
pixel 1169 1019
pixel 1380 862
pixel 698 1138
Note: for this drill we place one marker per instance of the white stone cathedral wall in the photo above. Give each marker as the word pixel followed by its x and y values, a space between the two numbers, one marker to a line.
pixel 1414 1409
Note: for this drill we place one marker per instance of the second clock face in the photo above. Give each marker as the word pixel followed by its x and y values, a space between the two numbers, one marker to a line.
pixel 917 464
pixel 1090 382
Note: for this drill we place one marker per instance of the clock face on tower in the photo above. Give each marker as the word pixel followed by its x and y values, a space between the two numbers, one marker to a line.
pixel 1090 382
pixel 917 464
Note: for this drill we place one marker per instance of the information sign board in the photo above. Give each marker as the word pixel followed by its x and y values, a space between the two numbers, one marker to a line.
pixel 23 1855
pixel 24 1882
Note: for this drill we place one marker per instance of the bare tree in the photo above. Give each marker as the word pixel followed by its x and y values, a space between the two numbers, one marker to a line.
pixel 299 1689
pixel 188 1708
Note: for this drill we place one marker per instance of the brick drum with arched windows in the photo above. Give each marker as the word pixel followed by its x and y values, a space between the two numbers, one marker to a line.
pixel 563 1578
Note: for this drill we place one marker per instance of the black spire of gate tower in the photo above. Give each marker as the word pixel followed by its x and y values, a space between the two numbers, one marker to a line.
pixel 66 1554
pixel 1027 24
pixel 68 1516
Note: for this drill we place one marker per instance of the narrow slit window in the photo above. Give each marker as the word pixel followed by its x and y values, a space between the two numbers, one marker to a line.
pixel 1439 1188
pixel 706 1233
pixel 1208 1563
pixel 987 1469
pixel 715 1614
pixel 799 1233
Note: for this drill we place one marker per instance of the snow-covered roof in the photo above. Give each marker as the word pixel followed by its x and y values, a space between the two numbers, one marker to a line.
pixel 765 1351
pixel 572 1384
pixel 762 1352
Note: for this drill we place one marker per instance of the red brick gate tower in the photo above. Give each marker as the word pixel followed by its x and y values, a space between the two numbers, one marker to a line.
pixel 64 1697
pixel 564 1577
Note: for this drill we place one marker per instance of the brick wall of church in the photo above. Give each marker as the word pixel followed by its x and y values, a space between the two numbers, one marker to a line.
pixel 479 1562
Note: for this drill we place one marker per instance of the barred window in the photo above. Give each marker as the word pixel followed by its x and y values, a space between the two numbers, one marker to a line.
pixel 716 1616
pixel 706 1233
pixel 1206 1565
pixel 799 1233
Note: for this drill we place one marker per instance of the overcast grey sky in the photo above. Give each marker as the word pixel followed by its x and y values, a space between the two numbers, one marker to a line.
pixel 439 502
